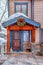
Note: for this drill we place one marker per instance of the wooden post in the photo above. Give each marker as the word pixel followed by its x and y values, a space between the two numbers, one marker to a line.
pixel 33 35
pixel 8 40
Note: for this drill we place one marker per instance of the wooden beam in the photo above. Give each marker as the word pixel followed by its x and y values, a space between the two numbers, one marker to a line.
pixel 8 40
pixel 33 35
pixel 21 27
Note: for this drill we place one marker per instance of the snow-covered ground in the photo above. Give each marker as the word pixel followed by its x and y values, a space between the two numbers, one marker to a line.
pixel 24 59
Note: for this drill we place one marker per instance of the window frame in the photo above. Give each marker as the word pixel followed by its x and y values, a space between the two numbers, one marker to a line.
pixel 22 3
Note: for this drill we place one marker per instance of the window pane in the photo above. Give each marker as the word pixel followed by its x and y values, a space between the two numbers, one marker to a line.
pixel 24 9
pixel 16 35
pixel 26 36
pixel 17 8
pixel 21 8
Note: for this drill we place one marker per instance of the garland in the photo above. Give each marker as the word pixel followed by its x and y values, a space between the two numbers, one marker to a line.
pixel 21 22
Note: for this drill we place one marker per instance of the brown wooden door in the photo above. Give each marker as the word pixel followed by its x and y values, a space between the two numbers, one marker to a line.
pixel 16 40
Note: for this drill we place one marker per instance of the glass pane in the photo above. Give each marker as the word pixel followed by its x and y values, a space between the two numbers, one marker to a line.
pixel 16 35
pixel 17 8
pixel 24 9
pixel 26 36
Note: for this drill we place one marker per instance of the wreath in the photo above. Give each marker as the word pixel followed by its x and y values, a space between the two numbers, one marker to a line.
pixel 21 22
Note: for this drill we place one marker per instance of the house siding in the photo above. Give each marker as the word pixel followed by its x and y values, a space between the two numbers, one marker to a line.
pixel 38 16
pixel 37 35
pixel 38 11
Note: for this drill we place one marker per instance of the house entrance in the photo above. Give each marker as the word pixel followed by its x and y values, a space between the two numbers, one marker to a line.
pixel 17 39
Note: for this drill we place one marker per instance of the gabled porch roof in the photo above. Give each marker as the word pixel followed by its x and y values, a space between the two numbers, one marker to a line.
pixel 13 19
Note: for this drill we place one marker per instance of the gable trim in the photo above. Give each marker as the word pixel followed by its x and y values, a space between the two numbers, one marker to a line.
pixel 29 21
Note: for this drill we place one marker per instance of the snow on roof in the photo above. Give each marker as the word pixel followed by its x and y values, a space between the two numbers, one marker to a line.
pixel 15 15
pixel 13 18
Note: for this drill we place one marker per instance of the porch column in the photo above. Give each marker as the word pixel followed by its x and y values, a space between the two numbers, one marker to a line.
pixel 8 40
pixel 33 35
pixel 37 35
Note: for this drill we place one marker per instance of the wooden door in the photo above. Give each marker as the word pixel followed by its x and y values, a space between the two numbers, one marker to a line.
pixel 16 40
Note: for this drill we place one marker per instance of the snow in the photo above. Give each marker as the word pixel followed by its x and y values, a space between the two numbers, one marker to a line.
pixel 3 57
pixel 0 23
pixel 2 35
pixel 2 8
pixel 23 61
pixel 2 32
pixel 2 40
pixel 15 15
pixel 2 28
pixel 6 63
